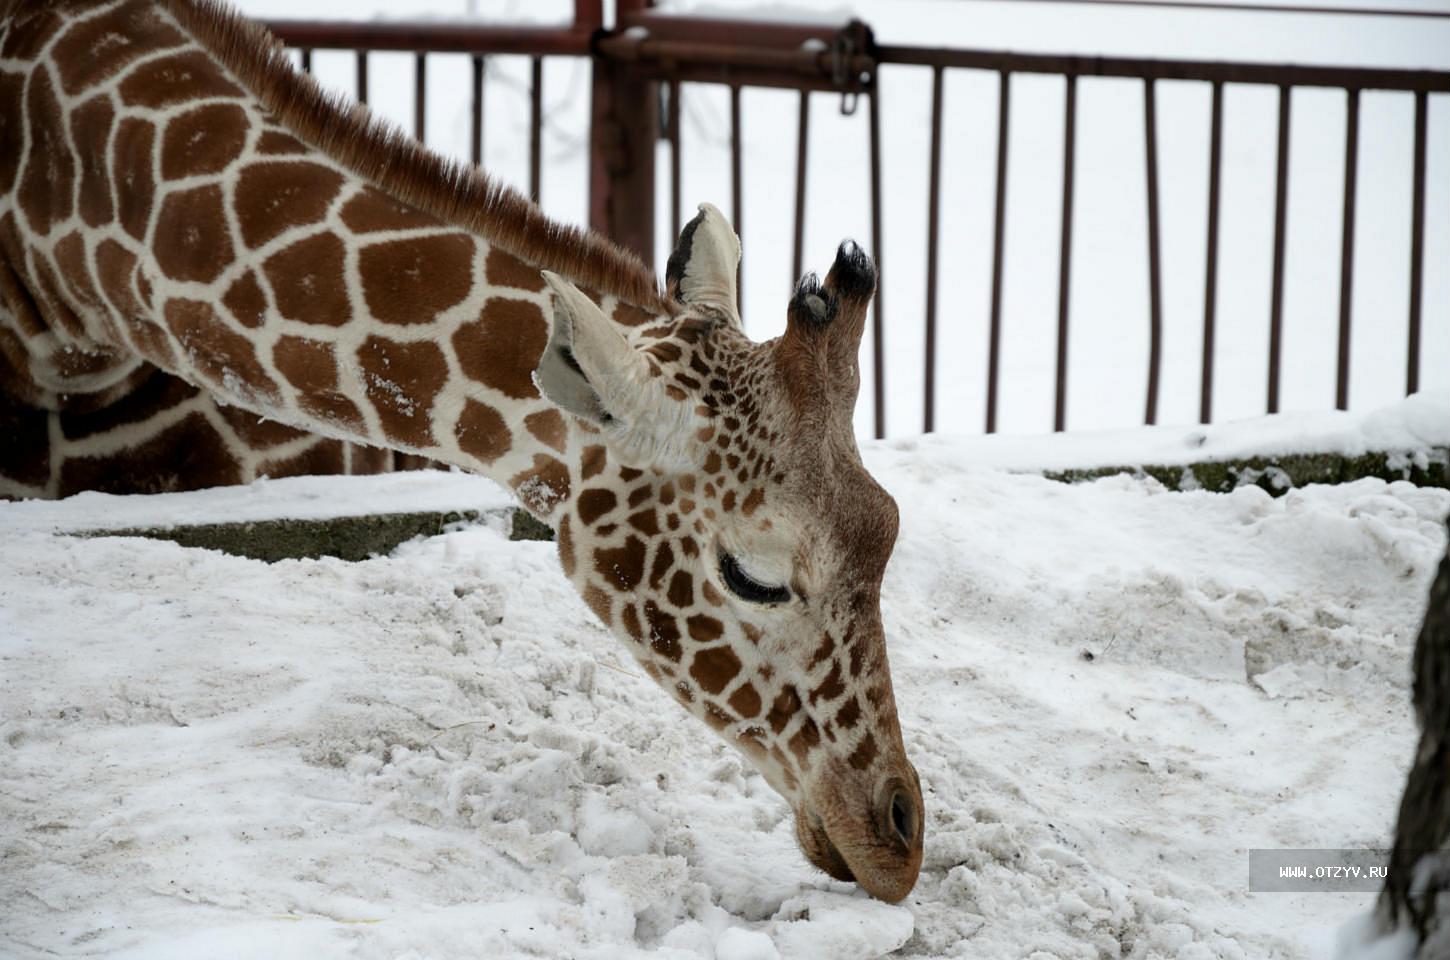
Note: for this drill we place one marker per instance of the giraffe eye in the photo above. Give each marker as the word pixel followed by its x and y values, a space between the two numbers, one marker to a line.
pixel 746 587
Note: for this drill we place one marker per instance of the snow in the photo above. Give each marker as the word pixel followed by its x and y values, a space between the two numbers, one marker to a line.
pixel 293 498
pixel 439 754
pixel 1414 425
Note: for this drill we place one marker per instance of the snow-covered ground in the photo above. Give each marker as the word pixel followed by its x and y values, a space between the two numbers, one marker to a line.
pixel 1112 692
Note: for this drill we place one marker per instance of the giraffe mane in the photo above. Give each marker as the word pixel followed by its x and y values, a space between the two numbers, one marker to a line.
pixel 378 150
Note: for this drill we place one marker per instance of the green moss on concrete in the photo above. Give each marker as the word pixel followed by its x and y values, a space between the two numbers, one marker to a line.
pixel 347 538
pixel 526 527
pixel 1277 475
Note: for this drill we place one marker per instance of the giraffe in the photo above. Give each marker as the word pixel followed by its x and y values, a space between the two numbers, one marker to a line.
pixel 201 250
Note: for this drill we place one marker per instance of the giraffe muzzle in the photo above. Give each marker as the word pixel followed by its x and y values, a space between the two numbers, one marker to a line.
pixel 877 844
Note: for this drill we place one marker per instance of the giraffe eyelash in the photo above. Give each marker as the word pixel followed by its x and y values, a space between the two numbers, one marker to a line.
pixel 746 587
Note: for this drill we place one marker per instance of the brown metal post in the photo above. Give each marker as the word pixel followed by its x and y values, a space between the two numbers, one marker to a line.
pixel 420 96
pixel 1064 257
pixel 878 317
pixel 1155 289
pixel 475 129
pixel 933 229
pixel 624 123
pixel 737 187
pixel 536 128
pixel 803 139
pixel 994 341
pixel 1346 247
pixel 1417 248
pixel 1276 302
pixel 1210 270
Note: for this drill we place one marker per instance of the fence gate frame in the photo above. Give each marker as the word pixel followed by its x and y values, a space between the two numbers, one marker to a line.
pixel 640 63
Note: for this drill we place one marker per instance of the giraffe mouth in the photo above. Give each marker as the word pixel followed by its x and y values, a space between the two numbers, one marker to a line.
pixel 818 848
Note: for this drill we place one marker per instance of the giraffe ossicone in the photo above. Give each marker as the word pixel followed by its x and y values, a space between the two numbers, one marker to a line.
pixel 212 270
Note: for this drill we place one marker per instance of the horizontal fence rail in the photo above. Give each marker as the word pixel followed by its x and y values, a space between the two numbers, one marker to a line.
pixel 642 66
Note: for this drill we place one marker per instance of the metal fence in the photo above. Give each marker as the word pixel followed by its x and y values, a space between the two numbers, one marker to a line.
pixel 640 65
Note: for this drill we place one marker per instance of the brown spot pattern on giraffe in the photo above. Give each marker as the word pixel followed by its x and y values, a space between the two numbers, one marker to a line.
pixel 482 432
pixel 188 454
pixel 564 537
pixel 203 141
pixel 134 187
pixel 622 567
pixel 401 380
pixel 664 632
pixel 595 503
pixel 258 432
pixel 98 48
pixel 372 210
pixel 502 347
pixel 70 256
pixel 192 241
pixel 309 365
pixel 116 270
pixel 25 428
pixel 90 128
pixel 307 280
pixel 189 75
pixel 48 171
pixel 324 456
pixel 274 143
pixel 543 486
pixel 218 353
pixel 548 428
pixel 29 31
pixel 12 128
pixel 714 668
pixel 270 197
pixel 506 270
pixel 414 280
pixel 745 701
pixel 245 301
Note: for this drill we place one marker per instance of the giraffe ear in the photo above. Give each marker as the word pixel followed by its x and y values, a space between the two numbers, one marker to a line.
pixel 702 270
pixel 589 369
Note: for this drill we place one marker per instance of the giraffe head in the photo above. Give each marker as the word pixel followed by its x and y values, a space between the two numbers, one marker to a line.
pixel 725 527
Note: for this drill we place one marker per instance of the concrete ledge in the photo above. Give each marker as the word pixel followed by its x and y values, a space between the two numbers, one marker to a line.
pixel 1425 468
pixel 347 538
pixel 369 535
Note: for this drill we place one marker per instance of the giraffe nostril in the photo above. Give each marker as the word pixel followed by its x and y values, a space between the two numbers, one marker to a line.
pixel 903 817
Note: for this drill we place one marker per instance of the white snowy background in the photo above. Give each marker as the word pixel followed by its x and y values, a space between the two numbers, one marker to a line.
pixel 440 754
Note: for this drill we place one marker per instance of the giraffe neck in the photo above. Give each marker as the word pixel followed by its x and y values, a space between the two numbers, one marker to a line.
pixel 161 213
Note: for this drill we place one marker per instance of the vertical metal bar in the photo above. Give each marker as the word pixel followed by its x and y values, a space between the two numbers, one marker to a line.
pixel 1155 288
pixel 1346 247
pixel 673 131
pixel 420 95
pixel 737 187
pixel 306 59
pixel 1276 303
pixel 362 76
pixel 1417 248
pixel 588 13
pixel 1210 269
pixel 994 342
pixel 802 138
pixel 623 135
pixel 1064 259
pixel 476 129
pixel 932 229
pixel 878 328
pixel 536 127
